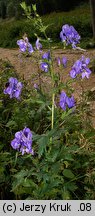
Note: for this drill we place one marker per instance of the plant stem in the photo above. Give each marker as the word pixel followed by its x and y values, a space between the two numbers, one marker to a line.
pixel 52 122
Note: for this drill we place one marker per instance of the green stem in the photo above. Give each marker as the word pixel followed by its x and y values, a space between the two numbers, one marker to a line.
pixel 52 122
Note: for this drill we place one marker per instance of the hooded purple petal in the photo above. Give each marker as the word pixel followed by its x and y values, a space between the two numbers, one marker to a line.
pixel 38 44
pixel 24 45
pixel 66 101
pixel 69 35
pixel 58 61
pixel 64 61
pixel 13 88
pixel 81 67
pixel 30 48
pixel 23 141
pixel 46 56
pixel 62 102
pixel 70 102
pixel 44 66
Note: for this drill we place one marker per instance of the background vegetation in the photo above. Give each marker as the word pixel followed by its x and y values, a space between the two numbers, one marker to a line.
pixel 80 18
pixel 11 8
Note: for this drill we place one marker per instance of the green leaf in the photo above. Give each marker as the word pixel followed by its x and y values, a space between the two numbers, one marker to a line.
pixel 23 5
pixel 1 104
pixel 21 174
pixel 71 186
pixel 51 157
pixel 42 142
pixel 68 174
pixel 65 195
pixel 29 183
pixel 11 123
pixel 68 157
pixel 27 9
pixel 34 7
pixel 66 113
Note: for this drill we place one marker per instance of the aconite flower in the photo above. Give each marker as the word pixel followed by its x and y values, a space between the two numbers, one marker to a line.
pixel 23 141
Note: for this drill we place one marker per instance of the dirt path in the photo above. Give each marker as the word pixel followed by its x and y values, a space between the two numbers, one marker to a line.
pixel 27 67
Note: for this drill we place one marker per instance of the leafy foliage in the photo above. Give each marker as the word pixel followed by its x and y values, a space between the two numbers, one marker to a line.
pixel 58 169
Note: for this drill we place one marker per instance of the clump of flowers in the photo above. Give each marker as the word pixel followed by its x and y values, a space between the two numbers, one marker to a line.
pixel 62 61
pixel 24 45
pixel 66 101
pixel 13 88
pixel 69 35
pixel 23 141
pixel 81 67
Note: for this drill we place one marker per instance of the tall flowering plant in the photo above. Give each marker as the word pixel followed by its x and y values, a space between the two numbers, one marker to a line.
pixel 68 35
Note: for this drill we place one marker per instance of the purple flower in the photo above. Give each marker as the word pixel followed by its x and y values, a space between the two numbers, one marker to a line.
pixel 81 67
pixel 13 88
pixel 58 61
pixel 70 102
pixel 46 56
pixel 30 48
pixel 36 86
pixel 86 73
pixel 23 141
pixel 66 101
pixel 63 100
pixel 69 35
pixel 73 73
pixel 24 45
pixel 38 44
pixel 44 66
pixel 62 61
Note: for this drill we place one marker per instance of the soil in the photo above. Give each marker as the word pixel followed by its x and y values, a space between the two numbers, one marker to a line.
pixel 27 68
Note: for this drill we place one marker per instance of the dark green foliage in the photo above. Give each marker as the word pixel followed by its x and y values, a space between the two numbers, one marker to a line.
pixel 12 30
pixel 64 157
pixel 3 9
pixel 45 7
pixel 92 6
pixel 11 8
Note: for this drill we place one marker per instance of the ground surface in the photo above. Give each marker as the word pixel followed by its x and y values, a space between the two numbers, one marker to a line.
pixel 27 68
